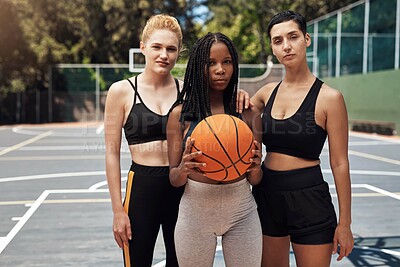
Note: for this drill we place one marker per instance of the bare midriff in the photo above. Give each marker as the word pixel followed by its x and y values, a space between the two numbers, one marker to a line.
pixel 282 162
pixel 150 154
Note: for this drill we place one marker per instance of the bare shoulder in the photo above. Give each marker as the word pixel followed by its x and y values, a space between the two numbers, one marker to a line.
pixel 260 98
pixel 329 95
pixel 120 88
pixel 267 89
pixel 176 112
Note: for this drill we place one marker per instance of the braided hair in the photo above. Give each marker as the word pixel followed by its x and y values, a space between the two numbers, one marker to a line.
pixel 195 94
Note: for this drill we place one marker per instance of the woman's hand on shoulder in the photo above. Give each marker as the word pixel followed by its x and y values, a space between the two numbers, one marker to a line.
pixel 242 101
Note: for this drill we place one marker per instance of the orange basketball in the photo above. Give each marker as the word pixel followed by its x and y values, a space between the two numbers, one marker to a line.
pixel 226 143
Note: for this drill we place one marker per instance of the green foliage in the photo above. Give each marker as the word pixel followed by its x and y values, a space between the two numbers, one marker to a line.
pixel 34 35
pixel 245 22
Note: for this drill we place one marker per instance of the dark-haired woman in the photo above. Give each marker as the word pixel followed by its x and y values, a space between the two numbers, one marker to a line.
pixel 209 208
pixel 298 113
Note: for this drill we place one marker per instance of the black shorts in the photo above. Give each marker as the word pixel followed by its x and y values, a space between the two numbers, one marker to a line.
pixel 296 203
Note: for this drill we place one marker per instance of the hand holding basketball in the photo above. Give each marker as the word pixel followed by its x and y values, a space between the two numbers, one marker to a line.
pixel 187 165
pixel 256 160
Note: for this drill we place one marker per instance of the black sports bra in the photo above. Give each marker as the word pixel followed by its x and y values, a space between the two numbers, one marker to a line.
pixel 144 125
pixel 299 135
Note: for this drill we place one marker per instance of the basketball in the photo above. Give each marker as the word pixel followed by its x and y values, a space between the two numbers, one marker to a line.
pixel 226 143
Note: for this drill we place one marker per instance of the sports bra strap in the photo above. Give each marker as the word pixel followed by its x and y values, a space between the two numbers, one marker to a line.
pixel 137 92
pixel 134 88
pixel 177 86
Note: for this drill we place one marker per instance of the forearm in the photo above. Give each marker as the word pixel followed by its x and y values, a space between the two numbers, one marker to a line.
pixel 113 172
pixel 343 188
pixel 177 177
pixel 255 176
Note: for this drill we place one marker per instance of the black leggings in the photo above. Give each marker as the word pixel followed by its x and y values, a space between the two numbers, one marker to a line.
pixel 151 202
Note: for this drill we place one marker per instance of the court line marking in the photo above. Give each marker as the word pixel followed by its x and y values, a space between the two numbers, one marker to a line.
pixel 18 226
pixel 100 129
pixel 366 172
pixel 29 203
pixel 79 157
pixel 18 130
pixel 26 142
pixel 102 183
pixel 372 188
pixel 51 175
pixel 79 147
pixel 387 251
pixel 370 156
pixel 125 172
pixel 4 241
pixel 370 143
pixel 375 137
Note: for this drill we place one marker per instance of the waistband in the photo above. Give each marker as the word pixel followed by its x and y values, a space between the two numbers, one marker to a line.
pixel 292 179
pixel 151 170
pixel 217 186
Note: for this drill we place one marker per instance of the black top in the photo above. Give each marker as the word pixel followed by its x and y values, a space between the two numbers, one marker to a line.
pixel 299 135
pixel 144 125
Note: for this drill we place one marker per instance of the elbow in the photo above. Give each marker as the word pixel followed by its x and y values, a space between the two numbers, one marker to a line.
pixel 339 163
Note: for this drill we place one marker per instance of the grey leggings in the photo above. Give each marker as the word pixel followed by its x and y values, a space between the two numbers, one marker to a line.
pixel 207 211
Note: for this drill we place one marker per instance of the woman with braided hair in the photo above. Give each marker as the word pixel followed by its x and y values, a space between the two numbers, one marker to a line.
pixel 209 208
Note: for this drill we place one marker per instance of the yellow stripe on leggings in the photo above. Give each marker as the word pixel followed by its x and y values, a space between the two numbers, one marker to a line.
pixel 126 207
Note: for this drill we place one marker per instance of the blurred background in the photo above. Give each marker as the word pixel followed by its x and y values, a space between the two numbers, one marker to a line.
pixel 58 58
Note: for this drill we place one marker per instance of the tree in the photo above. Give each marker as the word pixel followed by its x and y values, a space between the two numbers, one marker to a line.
pixel 246 21
pixel 34 35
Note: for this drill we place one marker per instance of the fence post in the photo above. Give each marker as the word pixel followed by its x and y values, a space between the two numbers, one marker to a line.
pixel 49 95
pixel 97 92
pixel 37 108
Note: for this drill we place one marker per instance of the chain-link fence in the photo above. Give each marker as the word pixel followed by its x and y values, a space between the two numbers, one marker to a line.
pixel 360 38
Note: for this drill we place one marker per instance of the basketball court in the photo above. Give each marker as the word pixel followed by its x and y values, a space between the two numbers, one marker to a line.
pixel 55 208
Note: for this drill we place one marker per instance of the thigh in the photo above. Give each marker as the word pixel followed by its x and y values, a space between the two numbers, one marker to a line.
pixel 145 224
pixel 194 248
pixel 271 209
pixel 168 221
pixel 311 215
pixel 242 244
pixel 313 255
pixel 195 239
pixel 275 251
